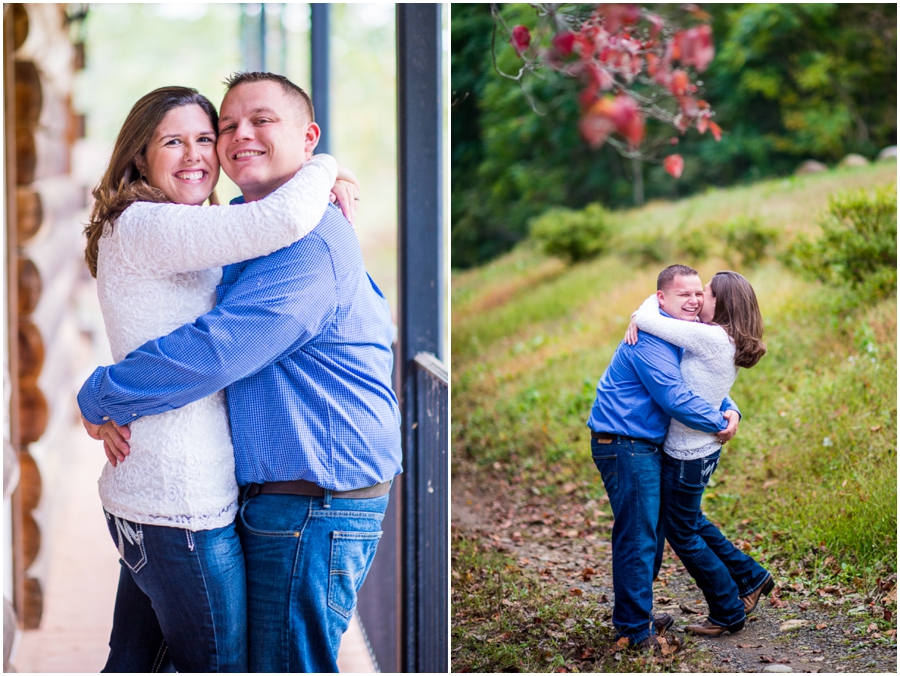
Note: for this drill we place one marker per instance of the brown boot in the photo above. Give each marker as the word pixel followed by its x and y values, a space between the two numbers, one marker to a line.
pixel 752 599
pixel 711 629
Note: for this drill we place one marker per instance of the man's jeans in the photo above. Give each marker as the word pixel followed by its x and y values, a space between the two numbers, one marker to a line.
pixel 181 600
pixel 721 570
pixel 631 476
pixel 306 560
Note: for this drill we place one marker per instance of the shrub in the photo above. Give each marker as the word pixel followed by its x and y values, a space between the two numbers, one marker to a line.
pixel 648 248
pixel 693 244
pixel 858 244
pixel 747 241
pixel 573 235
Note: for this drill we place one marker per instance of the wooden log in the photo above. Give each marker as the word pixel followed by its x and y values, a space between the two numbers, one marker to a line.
pixel 31 353
pixel 30 484
pixel 29 285
pixel 33 413
pixel 33 607
pixel 20 25
pixel 26 156
pixel 29 213
pixel 29 94
pixel 31 540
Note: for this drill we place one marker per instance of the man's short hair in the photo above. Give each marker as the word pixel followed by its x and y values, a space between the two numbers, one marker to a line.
pixel 667 276
pixel 289 88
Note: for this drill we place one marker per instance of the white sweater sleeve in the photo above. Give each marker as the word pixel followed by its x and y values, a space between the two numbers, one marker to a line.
pixel 170 238
pixel 701 339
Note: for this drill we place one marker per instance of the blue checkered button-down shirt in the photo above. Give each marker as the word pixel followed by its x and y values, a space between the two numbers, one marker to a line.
pixel 301 341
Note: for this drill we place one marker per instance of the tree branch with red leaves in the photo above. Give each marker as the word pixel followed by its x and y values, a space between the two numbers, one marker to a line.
pixel 633 64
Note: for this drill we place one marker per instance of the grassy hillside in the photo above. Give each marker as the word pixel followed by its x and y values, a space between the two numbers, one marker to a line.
pixel 810 480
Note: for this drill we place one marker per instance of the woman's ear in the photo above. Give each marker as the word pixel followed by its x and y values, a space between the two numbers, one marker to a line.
pixel 141 163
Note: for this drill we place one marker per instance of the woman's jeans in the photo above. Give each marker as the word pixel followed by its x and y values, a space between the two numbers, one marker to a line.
pixel 306 559
pixel 722 572
pixel 181 602
pixel 631 476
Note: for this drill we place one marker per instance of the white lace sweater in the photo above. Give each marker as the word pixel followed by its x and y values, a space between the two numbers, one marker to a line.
pixel 157 269
pixel 707 368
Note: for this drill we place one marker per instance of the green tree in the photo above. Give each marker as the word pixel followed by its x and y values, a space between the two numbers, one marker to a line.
pixel 788 82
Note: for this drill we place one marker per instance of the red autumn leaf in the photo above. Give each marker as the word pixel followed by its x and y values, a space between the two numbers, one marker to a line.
pixel 595 128
pixel 702 124
pixel 602 77
pixel 695 47
pixel 616 15
pixel 564 43
pixel 716 130
pixel 674 164
pixel 679 83
pixel 652 64
pixel 521 38
pixel 657 22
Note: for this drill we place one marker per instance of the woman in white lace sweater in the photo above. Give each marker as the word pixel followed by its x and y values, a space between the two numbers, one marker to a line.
pixel 727 336
pixel 156 253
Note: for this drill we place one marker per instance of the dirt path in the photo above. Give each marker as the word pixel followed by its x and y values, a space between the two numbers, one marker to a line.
pixel 565 542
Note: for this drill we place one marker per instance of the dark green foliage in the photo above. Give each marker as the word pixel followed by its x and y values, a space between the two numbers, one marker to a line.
pixel 858 244
pixel 747 241
pixel 573 235
pixel 789 82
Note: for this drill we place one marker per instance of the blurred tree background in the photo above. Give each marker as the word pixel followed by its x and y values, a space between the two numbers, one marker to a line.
pixel 789 83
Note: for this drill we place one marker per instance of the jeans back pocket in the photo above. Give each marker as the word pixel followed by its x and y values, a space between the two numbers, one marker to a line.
pixel 129 540
pixel 351 557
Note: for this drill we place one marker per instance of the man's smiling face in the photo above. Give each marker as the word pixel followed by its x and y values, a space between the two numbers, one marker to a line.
pixel 682 298
pixel 264 137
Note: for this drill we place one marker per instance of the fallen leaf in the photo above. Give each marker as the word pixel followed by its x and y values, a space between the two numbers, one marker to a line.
pixel 803 605
pixel 887 615
pixel 872 627
pixel 765 658
pixel 575 591
pixel 790 625
pixel 742 646
pixel 821 626
pixel 587 654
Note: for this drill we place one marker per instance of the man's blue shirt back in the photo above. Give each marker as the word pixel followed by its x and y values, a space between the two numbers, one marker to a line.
pixel 301 341
pixel 642 390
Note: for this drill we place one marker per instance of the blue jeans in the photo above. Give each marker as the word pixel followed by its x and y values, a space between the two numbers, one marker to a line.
pixel 181 601
pixel 722 571
pixel 631 476
pixel 306 560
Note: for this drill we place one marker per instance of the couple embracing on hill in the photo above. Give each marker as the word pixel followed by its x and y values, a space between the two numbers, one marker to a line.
pixel 659 420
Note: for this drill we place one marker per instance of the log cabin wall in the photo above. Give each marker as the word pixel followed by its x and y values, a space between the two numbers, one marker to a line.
pixel 44 217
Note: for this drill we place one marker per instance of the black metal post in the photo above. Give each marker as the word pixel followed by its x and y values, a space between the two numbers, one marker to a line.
pixel 320 67
pixel 420 262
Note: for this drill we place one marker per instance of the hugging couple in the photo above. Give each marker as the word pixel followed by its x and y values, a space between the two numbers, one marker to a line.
pixel 249 421
pixel 659 420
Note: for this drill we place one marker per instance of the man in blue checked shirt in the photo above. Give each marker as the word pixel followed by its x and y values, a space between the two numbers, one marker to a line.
pixel 301 342
pixel 639 394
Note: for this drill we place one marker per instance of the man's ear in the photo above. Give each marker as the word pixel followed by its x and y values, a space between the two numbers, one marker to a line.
pixel 661 297
pixel 311 139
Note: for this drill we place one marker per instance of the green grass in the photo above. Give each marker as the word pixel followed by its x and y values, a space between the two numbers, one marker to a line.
pixel 808 485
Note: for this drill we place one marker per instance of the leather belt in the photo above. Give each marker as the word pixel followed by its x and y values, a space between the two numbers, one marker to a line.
pixel 605 438
pixel 309 489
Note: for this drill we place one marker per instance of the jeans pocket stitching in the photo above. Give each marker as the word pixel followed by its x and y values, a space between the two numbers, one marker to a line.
pixel 342 587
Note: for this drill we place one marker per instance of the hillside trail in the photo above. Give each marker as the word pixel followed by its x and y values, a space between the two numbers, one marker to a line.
pixel 566 542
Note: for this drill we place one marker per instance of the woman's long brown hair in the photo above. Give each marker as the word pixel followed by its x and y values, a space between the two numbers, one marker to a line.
pixel 737 311
pixel 122 184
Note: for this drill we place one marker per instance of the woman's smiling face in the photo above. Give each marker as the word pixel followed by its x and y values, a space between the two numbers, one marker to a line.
pixel 180 158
